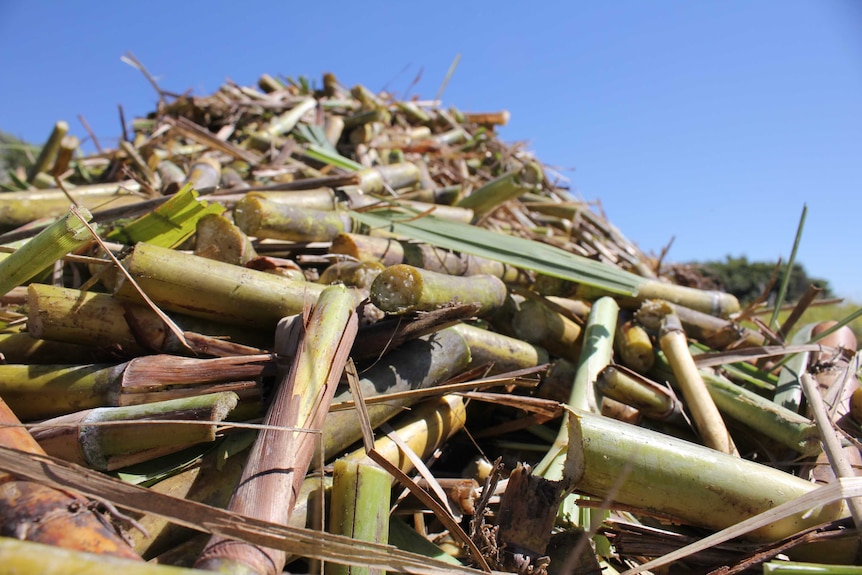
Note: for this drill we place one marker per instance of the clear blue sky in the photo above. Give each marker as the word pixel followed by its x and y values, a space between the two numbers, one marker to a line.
pixel 709 121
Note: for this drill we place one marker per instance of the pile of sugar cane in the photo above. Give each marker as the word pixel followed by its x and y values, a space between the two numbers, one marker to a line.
pixel 270 294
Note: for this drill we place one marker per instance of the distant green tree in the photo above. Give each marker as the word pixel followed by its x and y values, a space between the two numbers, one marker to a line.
pixel 14 153
pixel 747 280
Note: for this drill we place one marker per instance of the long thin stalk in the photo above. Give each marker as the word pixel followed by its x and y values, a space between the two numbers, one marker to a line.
pixel 359 508
pixel 63 236
pixel 48 151
pixel 84 437
pixel 706 416
pixel 20 208
pixel 279 460
pixel 214 290
pixel 696 484
pixel 103 322
pixel 402 288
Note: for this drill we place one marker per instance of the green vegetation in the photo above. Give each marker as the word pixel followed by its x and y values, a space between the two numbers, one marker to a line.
pixel 748 280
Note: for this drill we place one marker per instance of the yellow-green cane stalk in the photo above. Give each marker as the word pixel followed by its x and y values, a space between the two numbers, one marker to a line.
pixel 42 391
pixel 537 323
pixel 49 151
pixel 217 238
pixel 19 208
pixel 23 348
pixel 93 437
pixel 364 248
pixel 352 273
pixel 635 390
pixel 801 568
pixel 417 364
pixel 634 346
pixel 760 414
pixel 213 290
pixel 262 218
pixel 705 414
pixel 596 353
pixel 402 289
pixel 104 322
pixel 63 236
pixel 697 485
pixel 359 508
pixel 501 352
pixel 380 179
pixel 283 124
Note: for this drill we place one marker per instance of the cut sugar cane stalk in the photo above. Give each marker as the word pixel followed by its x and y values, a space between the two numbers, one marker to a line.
pixel 596 353
pixel 279 459
pixel 707 418
pixel 402 289
pixel 359 508
pixel 502 352
pixel 214 290
pixel 417 364
pixel 94 438
pixel 693 483
pixel 63 236
pixel 41 391
pixel 102 321
pixel 635 390
pixel 760 414
pixel 48 151
pixel 259 217
pixel 537 323
pixel 19 208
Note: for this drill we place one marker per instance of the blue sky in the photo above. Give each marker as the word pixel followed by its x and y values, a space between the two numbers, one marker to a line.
pixel 710 122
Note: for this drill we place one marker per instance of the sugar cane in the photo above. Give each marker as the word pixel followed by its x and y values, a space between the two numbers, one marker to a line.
pixel 402 288
pixel 706 417
pixel 396 167
pixel 417 364
pixel 63 389
pixel 19 208
pixel 213 290
pixel 80 438
pixel 28 557
pixel 103 322
pixel 634 346
pixel 500 352
pixel 217 238
pixel 698 485
pixel 259 217
pixel 65 235
pixel 279 459
pixel 536 323
pixel 634 390
pixel 359 509
pixel 356 274
pixel 49 151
